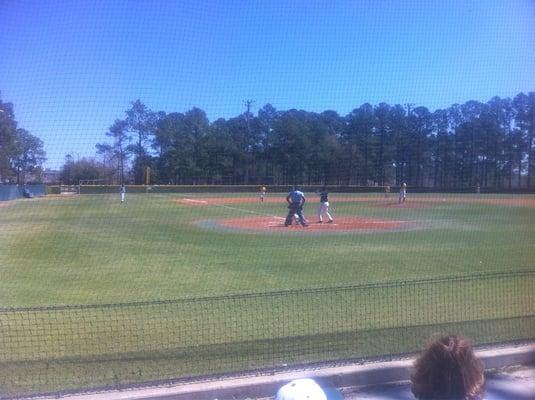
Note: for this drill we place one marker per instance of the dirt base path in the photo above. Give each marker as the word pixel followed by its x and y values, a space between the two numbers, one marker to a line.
pixel 417 202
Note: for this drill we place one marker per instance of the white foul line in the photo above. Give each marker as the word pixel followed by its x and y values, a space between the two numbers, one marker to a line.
pixel 236 209
pixel 196 201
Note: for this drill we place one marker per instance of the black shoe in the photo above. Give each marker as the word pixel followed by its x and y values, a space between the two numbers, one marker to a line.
pixel 330 221
pixel 320 222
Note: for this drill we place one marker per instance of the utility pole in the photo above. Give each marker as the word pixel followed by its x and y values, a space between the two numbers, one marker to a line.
pixel 404 163
pixel 409 106
pixel 248 104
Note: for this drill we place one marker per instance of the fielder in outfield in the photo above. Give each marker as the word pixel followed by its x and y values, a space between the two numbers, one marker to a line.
pixel 123 193
pixel 402 193
pixel 387 191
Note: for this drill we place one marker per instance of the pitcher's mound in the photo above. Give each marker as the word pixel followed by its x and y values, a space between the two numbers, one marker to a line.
pixel 255 224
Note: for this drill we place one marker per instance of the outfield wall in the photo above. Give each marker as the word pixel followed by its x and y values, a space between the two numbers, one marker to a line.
pixel 69 348
pixel 100 189
pixel 12 192
pixel 103 189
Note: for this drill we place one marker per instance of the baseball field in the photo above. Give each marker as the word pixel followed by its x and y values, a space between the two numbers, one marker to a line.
pixel 92 249
pixel 59 254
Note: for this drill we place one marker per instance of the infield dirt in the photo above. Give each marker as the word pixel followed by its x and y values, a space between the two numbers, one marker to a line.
pixel 257 224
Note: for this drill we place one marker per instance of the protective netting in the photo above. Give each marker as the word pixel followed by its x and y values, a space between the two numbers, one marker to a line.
pixel 55 349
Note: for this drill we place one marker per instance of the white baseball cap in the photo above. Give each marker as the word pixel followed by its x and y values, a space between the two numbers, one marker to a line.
pixel 301 389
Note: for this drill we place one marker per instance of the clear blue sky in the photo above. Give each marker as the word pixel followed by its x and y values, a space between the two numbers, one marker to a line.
pixel 72 67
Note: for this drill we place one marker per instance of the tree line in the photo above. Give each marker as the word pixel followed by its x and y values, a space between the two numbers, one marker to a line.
pixel 488 144
pixel 21 153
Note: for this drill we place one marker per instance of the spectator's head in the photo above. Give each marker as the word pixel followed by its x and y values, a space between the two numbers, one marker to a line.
pixel 301 389
pixel 307 389
pixel 448 369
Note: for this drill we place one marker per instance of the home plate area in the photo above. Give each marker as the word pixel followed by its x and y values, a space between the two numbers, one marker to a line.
pixel 276 224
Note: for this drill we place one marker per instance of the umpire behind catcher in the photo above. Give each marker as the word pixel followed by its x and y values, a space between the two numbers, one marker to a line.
pixel 296 199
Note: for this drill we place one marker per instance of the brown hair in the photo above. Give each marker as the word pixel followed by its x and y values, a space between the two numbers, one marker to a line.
pixel 448 369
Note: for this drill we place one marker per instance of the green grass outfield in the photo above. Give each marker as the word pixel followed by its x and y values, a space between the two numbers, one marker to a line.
pixel 90 250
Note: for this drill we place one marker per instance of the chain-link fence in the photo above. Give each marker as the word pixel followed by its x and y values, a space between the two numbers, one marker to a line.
pixel 12 192
pixel 212 189
pixel 57 349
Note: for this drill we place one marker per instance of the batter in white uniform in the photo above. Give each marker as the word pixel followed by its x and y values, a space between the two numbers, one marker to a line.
pixel 323 209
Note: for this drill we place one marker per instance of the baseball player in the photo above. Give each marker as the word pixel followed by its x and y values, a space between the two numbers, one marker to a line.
pixel 387 191
pixel 323 208
pixel 295 199
pixel 262 194
pixel 122 190
pixel 402 193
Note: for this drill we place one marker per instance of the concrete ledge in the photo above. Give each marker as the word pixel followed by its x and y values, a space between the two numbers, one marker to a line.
pixel 503 357
pixel 377 373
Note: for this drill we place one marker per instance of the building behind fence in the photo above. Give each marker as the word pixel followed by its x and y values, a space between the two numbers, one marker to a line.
pixel 64 348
